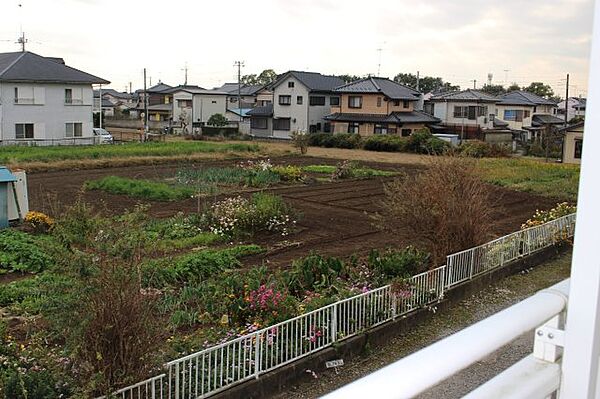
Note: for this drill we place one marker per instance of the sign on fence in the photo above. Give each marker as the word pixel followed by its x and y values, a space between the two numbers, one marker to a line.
pixel 334 363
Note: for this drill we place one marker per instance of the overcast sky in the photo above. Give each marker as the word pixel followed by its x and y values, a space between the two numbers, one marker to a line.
pixel 459 40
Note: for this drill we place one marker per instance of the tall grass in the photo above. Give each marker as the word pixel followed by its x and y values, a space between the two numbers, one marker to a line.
pixel 140 188
pixel 548 179
pixel 230 176
pixel 12 154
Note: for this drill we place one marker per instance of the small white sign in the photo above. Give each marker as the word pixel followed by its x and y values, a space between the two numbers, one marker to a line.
pixel 334 363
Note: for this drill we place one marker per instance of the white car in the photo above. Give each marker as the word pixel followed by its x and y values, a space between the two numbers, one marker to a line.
pixel 104 136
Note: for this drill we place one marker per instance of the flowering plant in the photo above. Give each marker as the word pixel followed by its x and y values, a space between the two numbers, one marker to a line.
pixel 541 217
pixel 40 222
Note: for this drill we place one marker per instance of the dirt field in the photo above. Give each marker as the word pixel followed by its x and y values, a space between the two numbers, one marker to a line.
pixel 336 217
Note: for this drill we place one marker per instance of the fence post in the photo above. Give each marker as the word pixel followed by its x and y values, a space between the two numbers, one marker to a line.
pixel 153 389
pixel 257 357
pixel 333 322
pixel 448 270
pixel 441 285
pixel 177 380
pixel 502 248
pixel 394 304
pixel 472 264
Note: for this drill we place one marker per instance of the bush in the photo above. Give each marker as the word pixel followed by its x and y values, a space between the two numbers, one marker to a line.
pixel 541 217
pixel 338 140
pixel 475 149
pixel 32 384
pixel 139 188
pixel 288 172
pixel 22 252
pixel 386 143
pixel 423 142
pixel 300 141
pixel 404 264
pixel 444 209
pixel 218 120
pixel 314 272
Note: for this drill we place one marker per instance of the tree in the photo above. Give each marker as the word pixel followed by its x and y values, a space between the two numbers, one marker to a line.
pixel 426 83
pixel 494 90
pixel 266 77
pixel 349 78
pixel 218 120
pixel 540 89
pixel 249 79
pixel 513 87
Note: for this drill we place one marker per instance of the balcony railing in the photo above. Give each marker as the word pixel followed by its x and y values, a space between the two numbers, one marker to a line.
pixel 73 101
pixel 21 100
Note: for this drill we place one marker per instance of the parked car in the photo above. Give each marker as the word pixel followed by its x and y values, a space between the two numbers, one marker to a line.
pixel 104 135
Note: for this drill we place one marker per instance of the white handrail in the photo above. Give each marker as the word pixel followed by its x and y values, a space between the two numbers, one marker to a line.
pixel 422 370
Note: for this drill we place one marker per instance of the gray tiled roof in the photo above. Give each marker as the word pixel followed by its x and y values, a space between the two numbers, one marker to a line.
pixel 114 93
pixel 520 97
pixel 158 88
pixel 313 80
pixel 389 88
pixel 266 110
pixel 465 95
pixel 394 117
pixel 30 67
pixel 545 119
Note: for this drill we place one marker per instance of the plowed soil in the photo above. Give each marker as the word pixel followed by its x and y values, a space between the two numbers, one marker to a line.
pixel 335 216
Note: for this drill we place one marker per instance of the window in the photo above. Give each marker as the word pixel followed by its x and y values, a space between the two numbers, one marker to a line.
pixel 353 127
pixel 526 114
pixel 578 148
pixel 406 132
pixel 380 128
pixel 258 123
pixel 184 103
pixel 354 102
pixel 515 115
pixel 16 95
pixel 317 100
pixel 460 111
pixel 74 129
pixel 24 130
pixel 334 101
pixel 396 103
pixel 299 100
pixel 214 101
pixel 68 96
pixel 281 123
pixel 290 84
pixel 285 100
pixel 379 101
pixel 405 104
pixel 233 99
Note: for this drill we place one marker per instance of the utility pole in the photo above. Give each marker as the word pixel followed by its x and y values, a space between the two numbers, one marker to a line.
pixel 418 81
pixel 145 106
pixel 239 65
pixel 474 83
pixel 130 88
pixel 379 61
pixel 567 102
pixel 22 41
pixel 185 69
pixel 100 106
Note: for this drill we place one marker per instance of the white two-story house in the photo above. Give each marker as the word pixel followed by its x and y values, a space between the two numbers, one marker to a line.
pixel 44 101
pixel 193 106
pixel 301 100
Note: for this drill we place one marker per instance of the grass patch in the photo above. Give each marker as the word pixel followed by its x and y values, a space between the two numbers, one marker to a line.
pixel 548 179
pixel 14 154
pixel 358 172
pixel 228 176
pixel 140 188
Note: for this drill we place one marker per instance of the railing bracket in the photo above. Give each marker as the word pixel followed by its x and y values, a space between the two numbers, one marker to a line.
pixel 550 335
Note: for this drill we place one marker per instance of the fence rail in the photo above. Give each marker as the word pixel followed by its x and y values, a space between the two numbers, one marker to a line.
pixel 217 368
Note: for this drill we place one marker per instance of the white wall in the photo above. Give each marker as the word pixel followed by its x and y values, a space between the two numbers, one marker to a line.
pixel 515 124
pixel 45 108
pixel 177 111
pixel 445 112
pixel 206 105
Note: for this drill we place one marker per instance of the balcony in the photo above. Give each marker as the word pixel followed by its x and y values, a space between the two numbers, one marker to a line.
pixel 25 101
pixel 73 101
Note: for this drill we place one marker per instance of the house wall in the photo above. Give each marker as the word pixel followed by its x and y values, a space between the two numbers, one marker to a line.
pixel 206 105
pixel 47 109
pixel 445 112
pixel 368 129
pixel 263 97
pixel 178 111
pixel 526 122
pixel 569 145
pixel 268 132
pixel 545 109
pixel 298 114
pixel 369 105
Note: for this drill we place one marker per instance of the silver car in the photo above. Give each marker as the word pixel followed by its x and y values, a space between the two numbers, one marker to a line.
pixel 104 136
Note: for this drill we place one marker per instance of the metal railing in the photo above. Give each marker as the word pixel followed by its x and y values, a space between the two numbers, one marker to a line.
pixel 217 368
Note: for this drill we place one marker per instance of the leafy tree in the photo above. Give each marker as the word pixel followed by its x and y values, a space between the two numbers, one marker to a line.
pixel 494 90
pixel 218 120
pixel 349 78
pixel 513 87
pixel 266 77
pixel 426 83
pixel 251 79
pixel 541 89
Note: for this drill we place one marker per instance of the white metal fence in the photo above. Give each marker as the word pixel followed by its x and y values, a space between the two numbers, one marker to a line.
pixel 217 368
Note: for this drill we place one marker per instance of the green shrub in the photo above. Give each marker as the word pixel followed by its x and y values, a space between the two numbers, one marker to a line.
pixel 394 263
pixel 475 149
pixel 423 142
pixel 22 252
pixel 357 171
pixel 288 172
pixel 139 188
pixel 32 384
pixel 386 143
pixel 338 140
pixel 313 273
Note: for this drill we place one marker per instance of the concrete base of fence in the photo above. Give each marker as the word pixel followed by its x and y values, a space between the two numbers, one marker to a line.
pixel 278 380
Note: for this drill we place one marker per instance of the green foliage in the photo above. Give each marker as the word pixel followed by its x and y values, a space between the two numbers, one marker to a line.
pixel 22 252
pixel 386 143
pixel 338 140
pixel 481 149
pixel 540 89
pixel 312 273
pixel 356 171
pixel 288 172
pixel 266 77
pixel 218 120
pixel 301 141
pixel 139 188
pixel 548 179
pixel 11 154
pixel 494 90
pixel 426 83
pixel 237 176
pixel 393 263
pixel 32 384
pixel 541 217
pixel 423 142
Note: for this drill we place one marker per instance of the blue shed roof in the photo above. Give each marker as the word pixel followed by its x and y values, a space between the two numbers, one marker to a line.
pixel 6 176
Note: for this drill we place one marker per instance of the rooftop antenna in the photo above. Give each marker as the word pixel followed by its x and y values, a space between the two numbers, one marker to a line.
pixel 379 50
pixel 490 77
pixel 185 69
pixel 21 40
pixel 239 65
